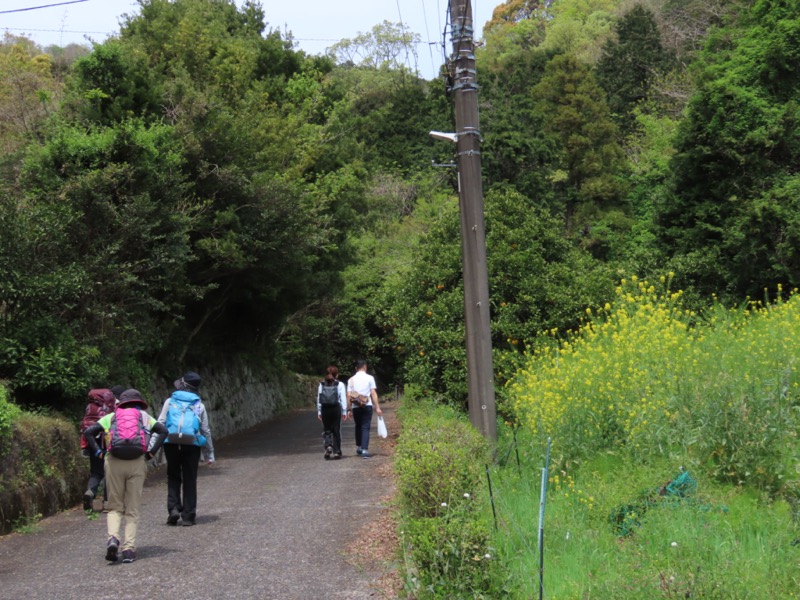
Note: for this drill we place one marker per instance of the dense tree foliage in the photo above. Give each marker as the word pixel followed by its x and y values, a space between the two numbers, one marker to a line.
pixel 196 188
pixel 631 63
pixel 731 217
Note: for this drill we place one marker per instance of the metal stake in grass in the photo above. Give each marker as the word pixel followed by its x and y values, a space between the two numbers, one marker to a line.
pixel 491 496
pixel 542 499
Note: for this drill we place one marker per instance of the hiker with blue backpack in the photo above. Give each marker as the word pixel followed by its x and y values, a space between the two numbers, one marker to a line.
pixel 127 433
pixel 332 410
pixel 188 435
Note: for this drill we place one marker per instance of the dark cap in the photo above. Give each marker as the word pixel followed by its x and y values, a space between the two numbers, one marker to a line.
pixel 132 398
pixel 117 390
pixel 189 382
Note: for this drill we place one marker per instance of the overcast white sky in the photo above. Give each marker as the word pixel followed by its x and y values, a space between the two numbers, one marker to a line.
pixel 315 24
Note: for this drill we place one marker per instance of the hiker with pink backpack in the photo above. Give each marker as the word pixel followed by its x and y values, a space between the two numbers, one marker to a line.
pixel 127 435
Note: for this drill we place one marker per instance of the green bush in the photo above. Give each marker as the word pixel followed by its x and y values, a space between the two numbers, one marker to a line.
pixel 8 414
pixel 440 457
pixel 42 471
pixel 445 526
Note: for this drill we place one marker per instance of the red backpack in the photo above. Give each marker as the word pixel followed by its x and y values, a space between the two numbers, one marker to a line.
pixel 129 435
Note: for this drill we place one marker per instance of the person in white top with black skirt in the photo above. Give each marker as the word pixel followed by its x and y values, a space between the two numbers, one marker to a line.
pixel 331 410
pixel 362 394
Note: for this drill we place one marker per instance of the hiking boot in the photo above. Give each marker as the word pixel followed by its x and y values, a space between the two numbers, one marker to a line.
pixel 187 522
pixel 359 450
pixel 365 454
pixel 111 549
pixel 173 517
pixel 328 452
pixel 88 498
pixel 337 456
pixel 128 556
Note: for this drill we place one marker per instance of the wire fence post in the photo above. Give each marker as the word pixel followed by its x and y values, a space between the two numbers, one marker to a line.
pixel 542 501
pixel 491 496
pixel 516 450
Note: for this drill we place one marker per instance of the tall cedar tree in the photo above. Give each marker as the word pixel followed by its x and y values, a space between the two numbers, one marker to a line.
pixel 732 219
pixel 586 173
pixel 631 63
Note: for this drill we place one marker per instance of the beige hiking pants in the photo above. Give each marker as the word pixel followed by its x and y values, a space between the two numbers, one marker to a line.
pixel 125 481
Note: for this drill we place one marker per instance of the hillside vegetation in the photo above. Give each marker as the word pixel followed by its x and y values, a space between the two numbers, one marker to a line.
pixel 197 188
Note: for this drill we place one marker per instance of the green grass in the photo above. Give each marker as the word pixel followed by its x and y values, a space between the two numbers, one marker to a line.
pixel 726 542
pixel 642 390
pixel 27 524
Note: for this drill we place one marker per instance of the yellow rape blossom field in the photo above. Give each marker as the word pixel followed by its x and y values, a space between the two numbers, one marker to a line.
pixel 645 392
pixel 719 391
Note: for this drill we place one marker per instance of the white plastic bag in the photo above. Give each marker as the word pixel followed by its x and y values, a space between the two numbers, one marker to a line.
pixel 382 428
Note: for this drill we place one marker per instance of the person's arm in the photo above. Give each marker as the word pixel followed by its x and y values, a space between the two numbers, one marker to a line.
pixel 161 434
pixel 374 393
pixel 162 417
pixel 89 434
pixel 342 399
pixel 348 407
pixel 205 429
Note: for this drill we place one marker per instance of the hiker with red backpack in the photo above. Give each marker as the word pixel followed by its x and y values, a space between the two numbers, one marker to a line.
pixel 189 435
pixel 101 402
pixel 332 410
pixel 127 436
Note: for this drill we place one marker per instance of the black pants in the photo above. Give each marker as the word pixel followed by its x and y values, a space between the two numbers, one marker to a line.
pixel 363 418
pixel 332 426
pixel 96 474
pixel 182 465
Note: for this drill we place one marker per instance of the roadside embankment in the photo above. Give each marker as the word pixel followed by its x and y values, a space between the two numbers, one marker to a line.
pixel 42 471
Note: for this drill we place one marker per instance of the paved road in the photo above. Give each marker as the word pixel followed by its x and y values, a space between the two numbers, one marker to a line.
pixel 273 520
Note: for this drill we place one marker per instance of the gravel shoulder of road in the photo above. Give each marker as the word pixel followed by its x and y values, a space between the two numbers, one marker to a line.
pixel 275 521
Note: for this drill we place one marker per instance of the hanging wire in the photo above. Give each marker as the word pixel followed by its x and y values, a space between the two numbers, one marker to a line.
pixel 428 36
pixel 16 10
pixel 406 42
pixel 53 30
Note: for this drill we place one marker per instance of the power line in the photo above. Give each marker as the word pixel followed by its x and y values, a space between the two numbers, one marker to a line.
pixel 53 30
pixel 406 41
pixel 294 39
pixel 428 35
pixel 16 10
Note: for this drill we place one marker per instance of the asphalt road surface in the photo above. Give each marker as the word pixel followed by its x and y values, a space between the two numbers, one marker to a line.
pixel 273 520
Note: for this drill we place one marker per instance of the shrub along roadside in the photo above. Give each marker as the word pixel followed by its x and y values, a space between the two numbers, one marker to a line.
pixel 445 523
pixel 41 471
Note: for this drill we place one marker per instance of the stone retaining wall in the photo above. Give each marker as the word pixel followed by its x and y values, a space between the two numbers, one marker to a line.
pixel 42 471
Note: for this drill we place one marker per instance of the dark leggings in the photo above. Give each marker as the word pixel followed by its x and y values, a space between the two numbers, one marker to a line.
pixel 96 474
pixel 182 465
pixel 332 426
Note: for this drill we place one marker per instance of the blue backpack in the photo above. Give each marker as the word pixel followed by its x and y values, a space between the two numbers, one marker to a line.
pixel 183 424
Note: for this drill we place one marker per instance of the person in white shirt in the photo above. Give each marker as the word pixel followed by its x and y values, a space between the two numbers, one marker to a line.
pixel 362 395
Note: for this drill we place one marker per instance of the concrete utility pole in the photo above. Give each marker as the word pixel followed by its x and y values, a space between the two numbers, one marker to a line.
pixel 480 373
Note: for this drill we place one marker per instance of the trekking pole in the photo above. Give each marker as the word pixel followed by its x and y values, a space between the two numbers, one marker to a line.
pixel 542 500
pixel 516 450
pixel 491 496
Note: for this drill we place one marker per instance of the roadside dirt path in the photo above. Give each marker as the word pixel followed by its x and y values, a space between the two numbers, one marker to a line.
pixel 275 521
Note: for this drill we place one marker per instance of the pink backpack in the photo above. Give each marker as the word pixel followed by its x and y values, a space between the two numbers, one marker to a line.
pixel 129 433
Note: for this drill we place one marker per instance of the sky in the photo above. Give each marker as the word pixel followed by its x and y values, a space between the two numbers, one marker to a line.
pixel 314 24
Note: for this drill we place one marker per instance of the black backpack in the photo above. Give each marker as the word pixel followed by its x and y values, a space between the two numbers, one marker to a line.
pixel 329 395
